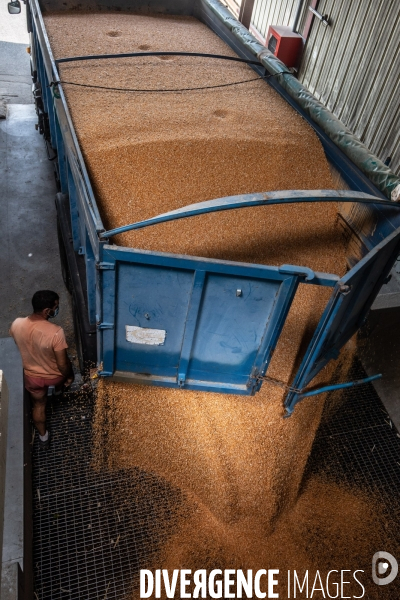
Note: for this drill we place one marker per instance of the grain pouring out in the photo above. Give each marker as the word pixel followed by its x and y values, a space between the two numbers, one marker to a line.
pixel 238 464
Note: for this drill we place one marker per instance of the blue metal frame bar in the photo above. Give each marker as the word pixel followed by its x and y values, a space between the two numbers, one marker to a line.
pixel 67 128
pixel 90 263
pixel 62 168
pixel 46 97
pixel 250 200
pixel 73 209
pixel 190 327
pixel 116 253
pixel 282 306
pixel 108 284
pixel 170 382
pixel 86 220
pixel 339 386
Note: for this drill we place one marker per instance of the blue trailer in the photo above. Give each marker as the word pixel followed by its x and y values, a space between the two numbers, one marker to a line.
pixel 187 308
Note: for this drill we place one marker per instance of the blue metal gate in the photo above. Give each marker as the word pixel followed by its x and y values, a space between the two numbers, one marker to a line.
pixel 191 322
pixel 345 313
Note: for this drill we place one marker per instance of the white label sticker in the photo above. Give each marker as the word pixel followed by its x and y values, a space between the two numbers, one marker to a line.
pixel 144 335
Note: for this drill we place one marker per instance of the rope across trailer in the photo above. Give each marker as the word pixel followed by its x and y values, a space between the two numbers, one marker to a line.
pixel 162 53
pixel 54 84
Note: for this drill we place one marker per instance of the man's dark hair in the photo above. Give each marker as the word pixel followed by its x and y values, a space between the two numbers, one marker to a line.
pixel 44 299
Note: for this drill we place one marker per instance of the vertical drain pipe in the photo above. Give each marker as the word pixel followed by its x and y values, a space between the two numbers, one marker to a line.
pixel 245 12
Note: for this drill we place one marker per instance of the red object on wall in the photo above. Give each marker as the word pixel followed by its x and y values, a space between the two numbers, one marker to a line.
pixel 285 44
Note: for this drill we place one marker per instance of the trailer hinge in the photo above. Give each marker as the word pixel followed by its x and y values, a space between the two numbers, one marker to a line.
pixel 105 326
pixel 299 271
pixel 105 266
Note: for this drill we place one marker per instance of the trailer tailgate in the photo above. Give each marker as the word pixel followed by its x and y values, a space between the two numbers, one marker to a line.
pixel 190 322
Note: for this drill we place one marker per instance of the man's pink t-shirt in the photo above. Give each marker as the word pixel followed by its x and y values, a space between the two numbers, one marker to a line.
pixel 37 340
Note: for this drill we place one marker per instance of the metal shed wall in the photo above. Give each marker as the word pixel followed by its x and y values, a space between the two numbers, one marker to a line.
pixel 352 66
pixel 272 12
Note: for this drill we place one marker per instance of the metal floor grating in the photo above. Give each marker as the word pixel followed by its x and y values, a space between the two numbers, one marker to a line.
pixel 359 444
pixel 93 531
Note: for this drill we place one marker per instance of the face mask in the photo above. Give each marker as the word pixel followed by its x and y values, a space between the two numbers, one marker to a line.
pixel 55 313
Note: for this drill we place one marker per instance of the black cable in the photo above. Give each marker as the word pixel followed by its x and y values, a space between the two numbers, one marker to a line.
pixel 140 54
pixel 210 87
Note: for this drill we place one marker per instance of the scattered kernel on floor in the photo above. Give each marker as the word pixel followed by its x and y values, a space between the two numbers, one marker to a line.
pixel 238 463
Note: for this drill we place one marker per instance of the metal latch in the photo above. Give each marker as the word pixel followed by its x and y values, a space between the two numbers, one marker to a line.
pixel 323 18
pixel 105 326
pixel 105 266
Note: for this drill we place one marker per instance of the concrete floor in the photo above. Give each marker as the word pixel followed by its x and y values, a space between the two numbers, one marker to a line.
pixel 15 80
pixel 29 259
pixel 28 232
pixel 29 254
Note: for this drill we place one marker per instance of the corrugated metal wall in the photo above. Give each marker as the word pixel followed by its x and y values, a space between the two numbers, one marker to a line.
pixel 352 66
pixel 272 12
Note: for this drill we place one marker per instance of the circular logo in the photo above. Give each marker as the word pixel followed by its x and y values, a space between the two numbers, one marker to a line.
pixel 384 568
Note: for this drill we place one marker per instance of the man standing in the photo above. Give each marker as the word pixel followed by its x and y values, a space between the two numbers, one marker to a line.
pixel 44 356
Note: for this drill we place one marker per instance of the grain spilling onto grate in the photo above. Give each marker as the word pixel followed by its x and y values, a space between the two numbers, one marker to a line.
pixel 149 153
